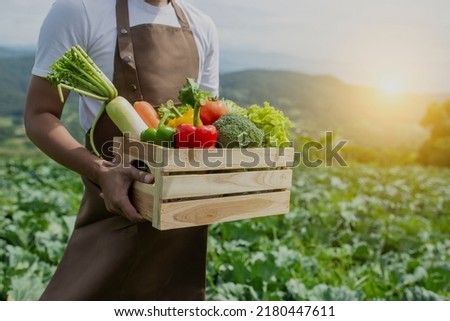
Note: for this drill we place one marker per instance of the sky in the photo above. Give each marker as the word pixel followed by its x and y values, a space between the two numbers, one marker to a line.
pixel 394 44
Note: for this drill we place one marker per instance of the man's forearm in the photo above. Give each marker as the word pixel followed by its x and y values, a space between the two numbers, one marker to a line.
pixel 42 122
pixel 59 144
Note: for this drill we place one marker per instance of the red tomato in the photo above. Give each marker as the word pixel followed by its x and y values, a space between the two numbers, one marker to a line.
pixel 212 110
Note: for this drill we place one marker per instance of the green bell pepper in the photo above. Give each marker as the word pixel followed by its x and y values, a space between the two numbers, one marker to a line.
pixel 162 135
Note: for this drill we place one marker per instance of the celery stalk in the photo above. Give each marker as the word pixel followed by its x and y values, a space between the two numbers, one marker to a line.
pixel 77 72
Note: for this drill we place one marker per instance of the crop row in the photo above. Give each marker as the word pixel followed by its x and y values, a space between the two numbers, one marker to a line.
pixel 355 233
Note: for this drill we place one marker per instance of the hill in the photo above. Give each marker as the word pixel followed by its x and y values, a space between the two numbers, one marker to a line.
pixel 363 115
pixel 11 52
pixel 14 80
pixel 15 66
pixel 316 103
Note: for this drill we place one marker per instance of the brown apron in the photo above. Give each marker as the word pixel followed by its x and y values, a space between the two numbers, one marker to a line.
pixel 107 256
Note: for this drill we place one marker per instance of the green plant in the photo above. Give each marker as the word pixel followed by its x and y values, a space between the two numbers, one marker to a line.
pixel 357 233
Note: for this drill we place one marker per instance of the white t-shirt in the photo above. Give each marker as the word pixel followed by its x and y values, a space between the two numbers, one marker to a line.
pixel 92 25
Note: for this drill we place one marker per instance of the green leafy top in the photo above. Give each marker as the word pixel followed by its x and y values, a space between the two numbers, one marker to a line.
pixel 76 71
pixel 191 94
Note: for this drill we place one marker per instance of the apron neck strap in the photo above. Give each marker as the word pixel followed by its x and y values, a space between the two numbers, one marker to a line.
pixel 180 15
pixel 125 44
pixel 123 17
pixel 125 48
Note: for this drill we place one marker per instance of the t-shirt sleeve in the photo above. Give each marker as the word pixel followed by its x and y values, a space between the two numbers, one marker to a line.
pixel 65 25
pixel 209 80
pixel 207 38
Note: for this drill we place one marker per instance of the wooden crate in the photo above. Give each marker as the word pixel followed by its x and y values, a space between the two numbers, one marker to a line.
pixel 204 186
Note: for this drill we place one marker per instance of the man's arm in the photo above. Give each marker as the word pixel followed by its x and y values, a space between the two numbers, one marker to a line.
pixel 43 111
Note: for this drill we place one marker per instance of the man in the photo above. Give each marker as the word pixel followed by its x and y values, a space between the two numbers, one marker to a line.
pixel 148 48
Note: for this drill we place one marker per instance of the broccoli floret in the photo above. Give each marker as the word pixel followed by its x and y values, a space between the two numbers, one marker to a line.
pixel 237 131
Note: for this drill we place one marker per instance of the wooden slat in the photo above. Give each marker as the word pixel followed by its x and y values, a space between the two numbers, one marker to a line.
pixel 182 186
pixel 128 150
pixel 178 160
pixel 143 192
pixel 222 209
pixel 207 207
pixel 144 201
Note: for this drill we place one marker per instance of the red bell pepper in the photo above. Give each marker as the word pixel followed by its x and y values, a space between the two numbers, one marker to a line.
pixel 189 136
pixel 196 135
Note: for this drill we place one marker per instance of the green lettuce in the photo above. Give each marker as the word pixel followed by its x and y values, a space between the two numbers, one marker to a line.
pixel 274 124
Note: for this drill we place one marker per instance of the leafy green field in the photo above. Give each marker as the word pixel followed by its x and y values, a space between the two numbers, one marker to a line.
pixel 357 233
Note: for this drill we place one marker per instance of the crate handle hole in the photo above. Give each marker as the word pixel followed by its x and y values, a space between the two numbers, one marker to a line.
pixel 142 166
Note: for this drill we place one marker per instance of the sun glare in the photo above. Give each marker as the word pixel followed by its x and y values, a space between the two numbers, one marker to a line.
pixel 391 85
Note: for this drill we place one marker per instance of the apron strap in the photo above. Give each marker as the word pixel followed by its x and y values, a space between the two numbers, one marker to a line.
pixel 180 15
pixel 125 50
pixel 125 46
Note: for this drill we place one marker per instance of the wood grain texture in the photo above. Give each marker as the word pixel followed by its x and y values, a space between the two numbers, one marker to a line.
pixel 182 186
pixel 142 198
pixel 199 197
pixel 200 159
pixel 222 209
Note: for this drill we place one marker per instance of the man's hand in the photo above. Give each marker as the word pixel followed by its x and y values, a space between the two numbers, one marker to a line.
pixel 115 181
